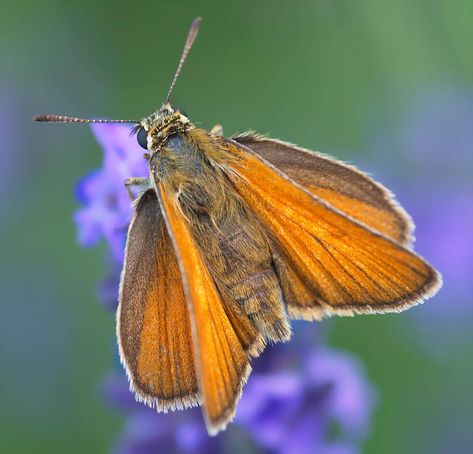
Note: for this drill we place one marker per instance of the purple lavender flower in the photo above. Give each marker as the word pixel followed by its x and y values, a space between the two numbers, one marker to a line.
pixel 107 208
pixel 148 431
pixel 290 403
pixel 292 411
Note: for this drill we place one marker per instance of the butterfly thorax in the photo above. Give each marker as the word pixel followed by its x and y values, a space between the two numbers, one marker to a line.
pixel 184 167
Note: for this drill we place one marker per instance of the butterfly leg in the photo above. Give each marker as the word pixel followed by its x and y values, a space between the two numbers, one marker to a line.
pixel 141 183
pixel 217 130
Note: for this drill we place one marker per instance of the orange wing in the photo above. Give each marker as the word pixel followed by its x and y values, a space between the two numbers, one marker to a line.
pixel 221 362
pixel 153 325
pixel 341 185
pixel 345 266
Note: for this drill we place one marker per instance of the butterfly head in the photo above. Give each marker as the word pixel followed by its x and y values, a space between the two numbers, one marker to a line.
pixel 153 131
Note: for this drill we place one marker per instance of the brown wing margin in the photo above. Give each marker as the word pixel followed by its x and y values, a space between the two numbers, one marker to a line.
pixel 221 362
pixel 347 267
pixel 339 184
pixel 153 325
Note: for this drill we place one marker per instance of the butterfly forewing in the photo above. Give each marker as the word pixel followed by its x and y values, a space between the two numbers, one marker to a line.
pixel 341 185
pixel 153 327
pixel 350 268
pixel 221 362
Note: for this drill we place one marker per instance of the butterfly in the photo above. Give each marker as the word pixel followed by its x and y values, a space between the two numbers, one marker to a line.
pixel 233 237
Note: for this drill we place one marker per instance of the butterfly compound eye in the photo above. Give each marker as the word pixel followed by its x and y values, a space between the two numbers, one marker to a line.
pixel 142 138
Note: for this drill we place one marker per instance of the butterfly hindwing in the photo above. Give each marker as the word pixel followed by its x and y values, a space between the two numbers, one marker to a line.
pixel 153 324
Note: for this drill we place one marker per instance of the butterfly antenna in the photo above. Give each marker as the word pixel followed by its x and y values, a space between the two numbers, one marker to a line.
pixel 51 118
pixel 187 47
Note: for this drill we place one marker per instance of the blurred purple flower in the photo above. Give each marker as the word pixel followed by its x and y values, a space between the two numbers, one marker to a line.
pixel 106 206
pixel 292 401
pixel 150 432
pixel 293 411
pixel 147 431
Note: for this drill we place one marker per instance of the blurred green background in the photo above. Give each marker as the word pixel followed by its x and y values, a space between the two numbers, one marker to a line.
pixel 324 74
